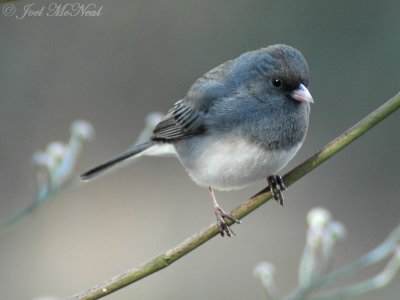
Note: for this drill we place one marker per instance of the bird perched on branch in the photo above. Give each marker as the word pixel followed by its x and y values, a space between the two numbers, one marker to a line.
pixel 240 122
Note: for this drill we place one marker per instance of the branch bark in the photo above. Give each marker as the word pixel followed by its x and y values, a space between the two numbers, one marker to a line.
pixel 166 258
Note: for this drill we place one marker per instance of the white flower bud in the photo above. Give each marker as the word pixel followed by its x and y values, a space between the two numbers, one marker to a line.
pixel 319 217
pixel 83 130
pixel 338 230
pixel 265 271
pixel 56 151
pixel 44 160
pixel 40 159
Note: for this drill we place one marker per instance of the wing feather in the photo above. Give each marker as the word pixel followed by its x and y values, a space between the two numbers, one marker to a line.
pixel 180 122
pixel 187 117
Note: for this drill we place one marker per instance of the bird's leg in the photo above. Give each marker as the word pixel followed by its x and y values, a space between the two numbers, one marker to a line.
pixel 276 186
pixel 221 216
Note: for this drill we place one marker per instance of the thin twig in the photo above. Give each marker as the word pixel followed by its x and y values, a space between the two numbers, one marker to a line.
pixel 374 256
pixel 53 170
pixel 41 198
pixel 166 258
pixel 374 283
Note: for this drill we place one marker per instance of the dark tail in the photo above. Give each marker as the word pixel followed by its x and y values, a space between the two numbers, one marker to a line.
pixel 115 161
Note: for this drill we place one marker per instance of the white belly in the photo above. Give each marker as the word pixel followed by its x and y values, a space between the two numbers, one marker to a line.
pixel 226 165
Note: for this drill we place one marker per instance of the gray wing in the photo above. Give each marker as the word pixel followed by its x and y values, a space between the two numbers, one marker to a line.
pixel 180 122
pixel 188 116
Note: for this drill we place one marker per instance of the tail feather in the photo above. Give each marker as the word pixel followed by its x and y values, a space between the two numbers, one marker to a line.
pixel 115 161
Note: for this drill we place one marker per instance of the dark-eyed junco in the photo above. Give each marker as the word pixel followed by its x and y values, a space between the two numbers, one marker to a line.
pixel 240 122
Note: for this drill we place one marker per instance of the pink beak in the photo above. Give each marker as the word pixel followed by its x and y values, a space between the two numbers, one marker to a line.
pixel 302 94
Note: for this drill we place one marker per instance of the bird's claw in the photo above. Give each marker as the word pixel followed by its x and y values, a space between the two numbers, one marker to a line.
pixel 276 187
pixel 223 225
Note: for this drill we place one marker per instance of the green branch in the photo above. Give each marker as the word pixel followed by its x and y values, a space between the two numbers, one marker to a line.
pixel 166 258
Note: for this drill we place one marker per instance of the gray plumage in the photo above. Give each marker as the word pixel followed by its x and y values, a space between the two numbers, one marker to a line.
pixel 238 123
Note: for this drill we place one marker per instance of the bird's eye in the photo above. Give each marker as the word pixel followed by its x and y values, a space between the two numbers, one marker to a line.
pixel 276 82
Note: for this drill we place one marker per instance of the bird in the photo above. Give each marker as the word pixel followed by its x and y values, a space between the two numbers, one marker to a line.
pixel 239 123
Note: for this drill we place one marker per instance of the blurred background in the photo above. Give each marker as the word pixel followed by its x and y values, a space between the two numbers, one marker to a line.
pixel 142 56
